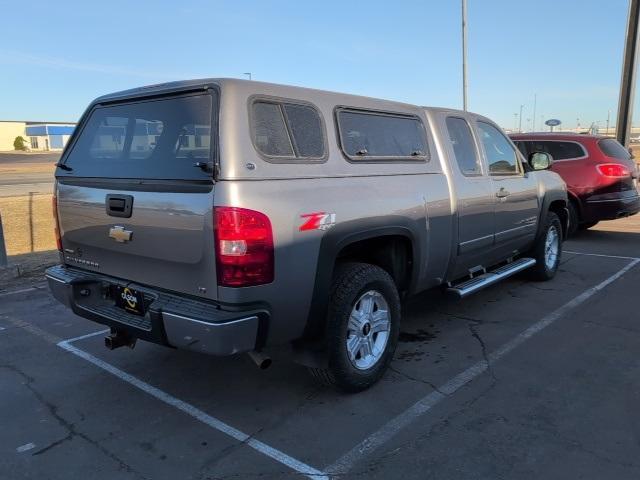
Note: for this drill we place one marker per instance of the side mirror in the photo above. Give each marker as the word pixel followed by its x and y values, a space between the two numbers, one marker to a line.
pixel 540 160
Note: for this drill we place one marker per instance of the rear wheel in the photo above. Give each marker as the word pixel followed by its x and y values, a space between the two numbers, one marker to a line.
pixel 547 249
pixel 362 327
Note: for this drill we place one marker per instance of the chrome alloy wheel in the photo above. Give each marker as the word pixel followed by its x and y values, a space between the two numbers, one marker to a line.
pixel 551 248
pixel 368 330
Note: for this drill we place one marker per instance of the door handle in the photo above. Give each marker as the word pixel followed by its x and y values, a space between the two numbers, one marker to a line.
pixel 502 193
pixel 119 205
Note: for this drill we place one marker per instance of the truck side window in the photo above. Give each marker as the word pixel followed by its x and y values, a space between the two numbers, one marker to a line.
pixel 370 136
pixel 501 156
pixel 464 147
pixel 287 130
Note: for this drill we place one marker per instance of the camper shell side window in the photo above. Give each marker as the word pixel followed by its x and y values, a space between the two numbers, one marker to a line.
pixel 287 131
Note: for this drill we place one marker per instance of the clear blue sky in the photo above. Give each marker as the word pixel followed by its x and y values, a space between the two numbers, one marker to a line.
pixel 55 57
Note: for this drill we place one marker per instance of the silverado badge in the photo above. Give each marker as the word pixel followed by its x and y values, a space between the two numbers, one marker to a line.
pixel 119 234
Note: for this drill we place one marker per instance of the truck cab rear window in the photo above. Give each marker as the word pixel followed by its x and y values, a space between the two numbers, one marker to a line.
pixel 159 139
pixel 380 136
pixel 287 131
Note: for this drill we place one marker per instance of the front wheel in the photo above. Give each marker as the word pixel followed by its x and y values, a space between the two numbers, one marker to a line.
pixel 362 327
pixel 547 249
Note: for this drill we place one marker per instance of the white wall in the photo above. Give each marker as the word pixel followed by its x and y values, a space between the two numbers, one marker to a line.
pixel 8 133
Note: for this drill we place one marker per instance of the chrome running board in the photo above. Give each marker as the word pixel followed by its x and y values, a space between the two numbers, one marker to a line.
pixel 472 285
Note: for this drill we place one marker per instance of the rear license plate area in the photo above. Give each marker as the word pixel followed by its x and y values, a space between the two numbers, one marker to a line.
pixel 129 299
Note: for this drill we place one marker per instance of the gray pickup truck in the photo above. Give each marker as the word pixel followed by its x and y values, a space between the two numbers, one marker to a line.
pixel 228 216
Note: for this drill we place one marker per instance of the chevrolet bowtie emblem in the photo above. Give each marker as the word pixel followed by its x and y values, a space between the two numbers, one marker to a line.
pixel 119 234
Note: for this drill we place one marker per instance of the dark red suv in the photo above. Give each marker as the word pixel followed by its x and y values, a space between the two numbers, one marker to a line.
pixel 601 175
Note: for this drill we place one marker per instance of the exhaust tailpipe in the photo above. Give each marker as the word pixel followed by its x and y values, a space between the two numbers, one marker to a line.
pixel 119 338
pixel 261 360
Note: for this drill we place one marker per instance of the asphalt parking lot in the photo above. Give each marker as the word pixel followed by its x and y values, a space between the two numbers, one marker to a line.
pixel 522 380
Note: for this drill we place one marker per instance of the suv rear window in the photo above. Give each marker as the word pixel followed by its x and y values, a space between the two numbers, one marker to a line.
pixel 380 136
pixel 158 139
pixel 612 148
pixel 287 131
pixel 559 150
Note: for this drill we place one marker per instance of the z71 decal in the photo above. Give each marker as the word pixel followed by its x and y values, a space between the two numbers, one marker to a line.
pixel 317 221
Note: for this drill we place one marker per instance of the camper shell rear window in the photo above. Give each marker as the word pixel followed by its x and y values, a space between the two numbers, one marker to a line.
pixel 161 138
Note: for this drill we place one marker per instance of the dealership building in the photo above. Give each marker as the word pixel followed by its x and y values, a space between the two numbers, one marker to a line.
pixel 39 136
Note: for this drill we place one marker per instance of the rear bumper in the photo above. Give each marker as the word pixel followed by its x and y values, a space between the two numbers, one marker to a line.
pixel 170 319
pixel 610 207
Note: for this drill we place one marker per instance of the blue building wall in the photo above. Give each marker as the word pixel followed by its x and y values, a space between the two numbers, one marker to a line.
pixel 60 129
pixel 55 141
pixel 37 131
pixel 40 130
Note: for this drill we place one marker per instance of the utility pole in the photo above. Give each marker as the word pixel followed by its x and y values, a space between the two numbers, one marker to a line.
pixel 464 55
pixel 628 82
pixel 520 120
pixel 535 101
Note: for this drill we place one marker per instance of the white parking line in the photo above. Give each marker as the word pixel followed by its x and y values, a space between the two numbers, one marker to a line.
pixel 194 412
pixel 422 406
pixel 599 255
pixel 22 290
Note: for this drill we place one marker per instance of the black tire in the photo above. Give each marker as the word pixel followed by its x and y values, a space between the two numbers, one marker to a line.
pixel 350 283
pixel 541 271
pixel 587 225
pixel 574 219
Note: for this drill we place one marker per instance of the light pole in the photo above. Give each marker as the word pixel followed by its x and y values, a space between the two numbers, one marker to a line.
pixel 464 55
pixel 248 74
pixel 628 82
pixel 3 248
pixel 608 118
pixel 520 120
pixel 535 102
pixel 515 121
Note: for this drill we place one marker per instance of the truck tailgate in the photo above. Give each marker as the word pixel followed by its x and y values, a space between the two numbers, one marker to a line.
pixel 135 192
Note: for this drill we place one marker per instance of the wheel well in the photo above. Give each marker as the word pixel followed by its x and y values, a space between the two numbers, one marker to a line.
pixel 559 207
pixel 392 253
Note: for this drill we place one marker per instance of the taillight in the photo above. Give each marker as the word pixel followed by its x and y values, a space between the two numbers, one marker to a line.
pixel 56 228
pixel 613 170
pixel 244 247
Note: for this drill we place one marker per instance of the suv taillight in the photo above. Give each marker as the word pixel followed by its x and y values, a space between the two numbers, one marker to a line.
pixel 613 170
pixel 56 228
pixel 244 247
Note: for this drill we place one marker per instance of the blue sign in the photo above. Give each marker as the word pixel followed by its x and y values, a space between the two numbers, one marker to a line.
pixel 552 122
